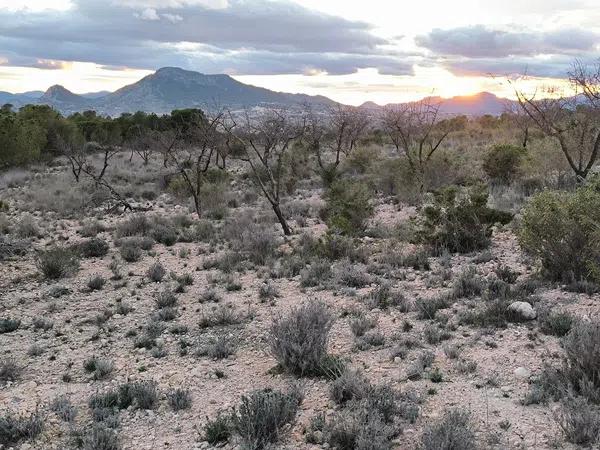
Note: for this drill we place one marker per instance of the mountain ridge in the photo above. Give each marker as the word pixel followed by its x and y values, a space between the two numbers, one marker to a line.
pixel 172 88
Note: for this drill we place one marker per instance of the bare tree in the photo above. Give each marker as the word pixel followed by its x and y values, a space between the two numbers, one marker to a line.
pixel 573 124
pixel 263 141
pixel 76 151
pixel 193 148
pixel 141 141
pixel 334 135
pixel 416 132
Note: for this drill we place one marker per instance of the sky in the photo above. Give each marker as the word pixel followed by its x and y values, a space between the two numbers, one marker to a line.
pixel 351 51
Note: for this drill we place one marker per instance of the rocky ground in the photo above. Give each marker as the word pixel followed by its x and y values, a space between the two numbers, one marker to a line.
pixel 62 323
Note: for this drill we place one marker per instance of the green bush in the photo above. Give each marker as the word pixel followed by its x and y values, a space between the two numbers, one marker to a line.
pixel 459 220
pixel 503 162
pixel 348 206
pixel 562 230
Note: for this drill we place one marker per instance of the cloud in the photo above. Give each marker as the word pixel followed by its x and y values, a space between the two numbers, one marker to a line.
pixel 148 14
pixel 233 36
pixel 482 42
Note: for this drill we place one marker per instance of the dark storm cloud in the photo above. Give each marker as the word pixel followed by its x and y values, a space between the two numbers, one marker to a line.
pixel 245 38
pixel 481 42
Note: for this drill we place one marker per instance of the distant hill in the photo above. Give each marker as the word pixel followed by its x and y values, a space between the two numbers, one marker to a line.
pixel 469 105
pixel 172 88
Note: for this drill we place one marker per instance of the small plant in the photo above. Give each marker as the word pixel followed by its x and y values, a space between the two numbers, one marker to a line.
pixel 179 399
pixel 93 248
pixel 299 340
pixel 96 283
pixel 145 394
pixel 217 430
pixel 156 272
pixel 210 296
pixel 64 409
pixel 9 370
pixel 14 429
pixel 361 324
pixel 267 292
pixel 428 308
pixel 468 284
pixel 262 414
pixel 100 367
pixel 452 431
pixel 166 299
pixel 350 385
pixel 9 325
pixel 556 323
pixel 101 437
pixel 57 263
pixel 221 315
pixel 579 420
pixel 219 348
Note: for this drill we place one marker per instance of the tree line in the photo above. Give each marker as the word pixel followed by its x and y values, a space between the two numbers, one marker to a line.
pixel 191 142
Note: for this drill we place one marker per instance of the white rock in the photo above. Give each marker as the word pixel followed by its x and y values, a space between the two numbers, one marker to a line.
pixel 522 372
pixel 523 309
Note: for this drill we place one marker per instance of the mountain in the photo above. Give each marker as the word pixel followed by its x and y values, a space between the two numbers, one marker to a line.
pixel 469 105
pixel 475 105
pixel 172 88
pixel 167 89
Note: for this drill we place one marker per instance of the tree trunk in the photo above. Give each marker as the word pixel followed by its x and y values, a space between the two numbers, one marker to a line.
pixel 286 229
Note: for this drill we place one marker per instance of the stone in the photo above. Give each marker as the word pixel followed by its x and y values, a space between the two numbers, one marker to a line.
pixel 523 309
pixel 522 372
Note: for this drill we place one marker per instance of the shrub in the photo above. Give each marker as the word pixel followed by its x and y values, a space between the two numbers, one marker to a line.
pixel 57 263
pixel 219 348
pixel 555 323
pixel 9 370
pixel 351 275
pixel 350 385
pixel 96 283
pixel 222 315
pixel 64 409
pixel 9 325
pixel 428 308
pixel 316 274
pixel 14 429
pixel 130 250
pixel 502 162
pixel 358 428
pixel 101 437
pixel 299 340
pixel 458 221
pixel 468 284
pixel 137 225
pixel 579 420
pixel 361 324
pixel 262 414
pixel 156 272
pixel 383 297
pixel 93 248
pixel 179 399
pixel 452 432
pixel 145 394
pixel 560 229
pixel 100 367
pixel 218 430
pixel 582 358
pixel 166 299
pixel 348 206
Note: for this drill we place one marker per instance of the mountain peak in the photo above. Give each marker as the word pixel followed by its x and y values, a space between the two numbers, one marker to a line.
pixel 60 94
